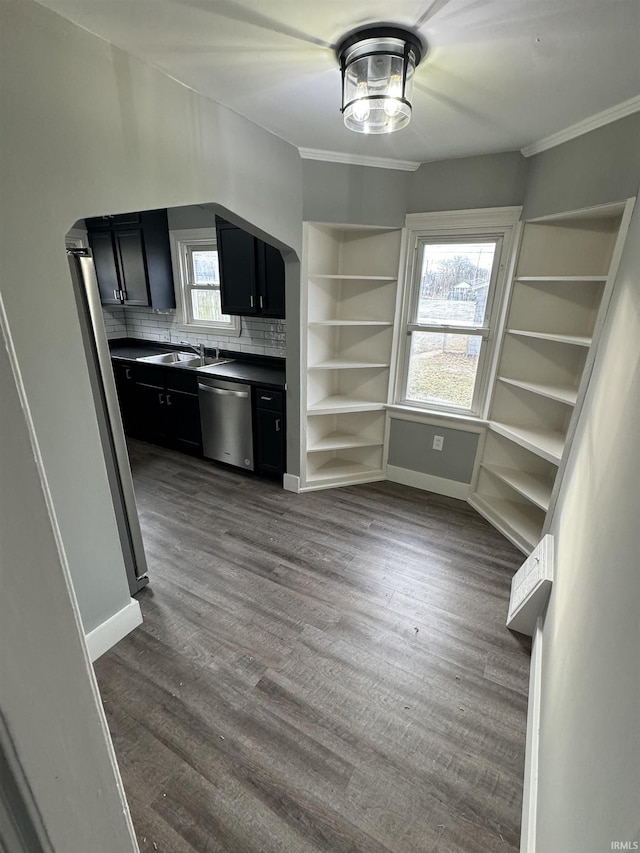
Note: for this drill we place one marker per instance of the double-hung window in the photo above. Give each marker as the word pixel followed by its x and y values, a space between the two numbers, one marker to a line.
pixel 196 268
pixel 454 281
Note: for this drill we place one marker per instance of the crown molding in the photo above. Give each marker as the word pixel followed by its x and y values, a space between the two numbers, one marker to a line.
pixel 626 108
pixel 358 160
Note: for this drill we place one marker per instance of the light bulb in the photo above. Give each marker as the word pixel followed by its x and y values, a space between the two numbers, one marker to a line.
pixel 361 107
pixel 391 107
pixel 394 91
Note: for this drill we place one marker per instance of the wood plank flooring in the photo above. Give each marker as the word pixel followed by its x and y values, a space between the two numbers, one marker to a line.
pixel 319 672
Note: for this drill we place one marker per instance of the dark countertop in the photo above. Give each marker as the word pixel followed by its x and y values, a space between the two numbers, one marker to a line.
pixel 258 371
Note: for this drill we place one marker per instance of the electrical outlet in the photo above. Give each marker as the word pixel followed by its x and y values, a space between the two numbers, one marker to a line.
pixel 438 442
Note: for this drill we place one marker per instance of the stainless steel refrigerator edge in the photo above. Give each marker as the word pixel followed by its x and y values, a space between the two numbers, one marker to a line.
pixel 103 388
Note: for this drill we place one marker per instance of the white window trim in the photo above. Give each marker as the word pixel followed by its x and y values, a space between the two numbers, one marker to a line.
pixel 179 240
pixel 493 223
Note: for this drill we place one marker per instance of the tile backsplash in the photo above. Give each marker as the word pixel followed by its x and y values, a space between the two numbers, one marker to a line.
pixel 259 335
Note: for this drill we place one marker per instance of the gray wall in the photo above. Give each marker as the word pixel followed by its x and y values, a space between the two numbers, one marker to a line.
pixel 48 695
pixel 491 180
pixel 589 759
pixel 596 168
pixel 411 446
pixel 337 192
pixel 87 130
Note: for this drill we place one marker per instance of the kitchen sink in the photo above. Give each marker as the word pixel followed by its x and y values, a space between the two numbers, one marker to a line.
pixel 182 359
pixel 169 358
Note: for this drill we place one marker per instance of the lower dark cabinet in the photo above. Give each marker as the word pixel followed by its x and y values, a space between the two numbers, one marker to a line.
pixel 127 397
pixel 270 431
pixel 160 405
pixel 183 411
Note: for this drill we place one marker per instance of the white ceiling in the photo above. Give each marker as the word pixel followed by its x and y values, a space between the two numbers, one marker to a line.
pixel 499 75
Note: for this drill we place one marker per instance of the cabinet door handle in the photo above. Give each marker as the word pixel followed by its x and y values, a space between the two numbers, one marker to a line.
pixel 161 398
pixel 251 300
pixel 168 399
pixel 127 372
pixel 266 398
pixel 117 295
pixel 277 424
pixel 261 302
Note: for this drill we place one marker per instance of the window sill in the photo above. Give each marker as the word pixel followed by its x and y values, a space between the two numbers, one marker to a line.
pixel 402 411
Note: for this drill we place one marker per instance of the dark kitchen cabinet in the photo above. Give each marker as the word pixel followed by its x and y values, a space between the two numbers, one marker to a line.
pixel 126 389
pixel 270 281
pixel 133 259
pixel 151 420
pixel 237 261
pixel 161 405
pixel 183 411
pixel 165 407
pixel 251 273
pixel 270 431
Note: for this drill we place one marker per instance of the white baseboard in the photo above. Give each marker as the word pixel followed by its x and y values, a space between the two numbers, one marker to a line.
pixel 531 755
pixel 428 483
pixel 291 483
pixel 106 635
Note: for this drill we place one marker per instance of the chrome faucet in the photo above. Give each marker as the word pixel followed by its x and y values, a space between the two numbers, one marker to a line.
pixel 199 348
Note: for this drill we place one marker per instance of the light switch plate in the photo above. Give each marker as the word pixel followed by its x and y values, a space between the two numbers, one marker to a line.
pixel 530 587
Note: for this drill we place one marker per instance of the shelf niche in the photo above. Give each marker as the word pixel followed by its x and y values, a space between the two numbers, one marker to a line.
pixel 557 298
pixel 351 295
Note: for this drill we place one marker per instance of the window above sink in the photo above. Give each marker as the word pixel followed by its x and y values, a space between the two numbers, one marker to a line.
pixel 196 273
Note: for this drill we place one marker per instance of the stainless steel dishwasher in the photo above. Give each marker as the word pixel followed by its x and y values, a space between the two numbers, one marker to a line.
pixel 225 417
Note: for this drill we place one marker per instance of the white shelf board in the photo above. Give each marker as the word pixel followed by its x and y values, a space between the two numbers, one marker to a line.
pixel 341 277
pixel 337 404
pixel 342 441
pixel 343 364
pixel 534 487
pixel 350 323
pixel 546 443
pixel 552 392
pixel 575 340
pixel 338 468
pixel 518 522
pixel 561 279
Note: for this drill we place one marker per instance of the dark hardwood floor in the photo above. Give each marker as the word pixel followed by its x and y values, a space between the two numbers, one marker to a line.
pixel 318 672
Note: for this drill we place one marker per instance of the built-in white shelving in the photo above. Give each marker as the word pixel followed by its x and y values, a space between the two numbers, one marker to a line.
pixel 336 404
pixel 560 279
pixel 349 323
pixel 341 364
pixel 553 392
pixel 558 297
pixel 350 289
pixel 534 487
pixel 341 441
pixel 546 443
pixel 574 340
pixel 519 521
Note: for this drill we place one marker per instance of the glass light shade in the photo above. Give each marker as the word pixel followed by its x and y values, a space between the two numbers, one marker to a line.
pixel 377 83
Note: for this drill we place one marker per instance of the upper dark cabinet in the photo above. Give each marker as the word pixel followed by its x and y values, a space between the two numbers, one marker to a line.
pixel 251 273
pixel 237 260
pixel 133 259
pixel 270 281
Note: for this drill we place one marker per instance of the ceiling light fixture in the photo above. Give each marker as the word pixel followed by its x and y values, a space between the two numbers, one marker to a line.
pixel 377 65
